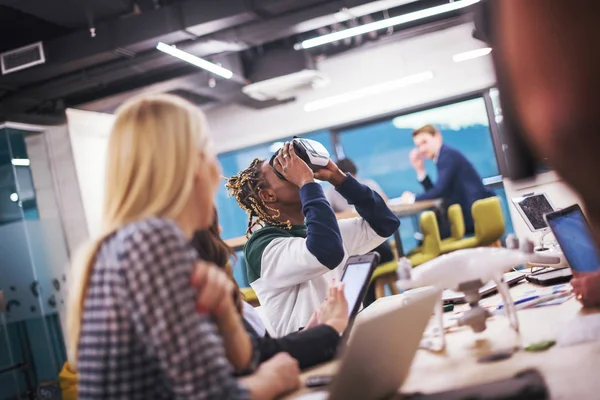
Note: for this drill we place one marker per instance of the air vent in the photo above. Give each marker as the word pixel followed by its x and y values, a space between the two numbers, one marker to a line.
pixel 24 57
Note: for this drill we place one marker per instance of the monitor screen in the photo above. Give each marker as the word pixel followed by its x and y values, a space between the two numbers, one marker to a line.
pixel 533 208
pixel 574 237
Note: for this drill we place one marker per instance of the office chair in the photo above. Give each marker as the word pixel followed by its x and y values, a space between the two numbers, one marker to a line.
pixel 249 296
pixel 489 226
pixel 432 242
pixel 385 275
pixel 457 229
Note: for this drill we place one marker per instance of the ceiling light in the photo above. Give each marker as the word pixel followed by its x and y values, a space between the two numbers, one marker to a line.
pixel 469 55
pixel 367 91
pixel 197 61
pixel 383 24
pixel 14 197
pixel 20 162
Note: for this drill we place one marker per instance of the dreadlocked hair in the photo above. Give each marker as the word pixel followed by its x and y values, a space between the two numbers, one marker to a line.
pixel 245 187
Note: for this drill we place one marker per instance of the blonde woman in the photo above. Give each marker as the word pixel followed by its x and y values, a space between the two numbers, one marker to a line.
pixel 137 328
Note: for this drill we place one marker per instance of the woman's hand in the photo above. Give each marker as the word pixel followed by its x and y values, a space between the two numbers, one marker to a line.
pixel 281 370
pixel 275 377
pixel 334 310
pixel 586 287
pixel 215 298
pixel 331 173
pixel 293 167
pixel 216 290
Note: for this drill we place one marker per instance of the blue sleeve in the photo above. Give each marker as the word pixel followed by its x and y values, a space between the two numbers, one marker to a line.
pixel 323 237
pixel 370 206
pixel 426 183
pixel 447 169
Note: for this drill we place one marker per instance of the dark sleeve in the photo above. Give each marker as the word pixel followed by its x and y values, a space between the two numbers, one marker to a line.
pixel 447 169
pixel 310 347
pixel 426 183
pixel 370 206
pixel 157 266
pixel 323 237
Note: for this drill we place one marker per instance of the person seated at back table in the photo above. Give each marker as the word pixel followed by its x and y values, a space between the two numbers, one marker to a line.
pixel 457 183
pixel 296 253
pixel 340 204
pixel 313 345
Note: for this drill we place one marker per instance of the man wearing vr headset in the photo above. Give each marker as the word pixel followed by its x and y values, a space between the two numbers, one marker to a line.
pixel 296 253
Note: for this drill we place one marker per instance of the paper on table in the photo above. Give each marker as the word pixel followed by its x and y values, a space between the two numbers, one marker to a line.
pixel 580 330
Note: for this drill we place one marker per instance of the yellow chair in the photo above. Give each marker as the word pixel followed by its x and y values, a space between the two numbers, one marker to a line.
pixel 385 275
pixel 249 296
pixel 432 242
pixel 457 224
pixel 68 382
pixel 457 229
pixel 489 226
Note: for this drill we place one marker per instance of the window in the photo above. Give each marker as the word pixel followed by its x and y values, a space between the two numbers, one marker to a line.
pixel 381 150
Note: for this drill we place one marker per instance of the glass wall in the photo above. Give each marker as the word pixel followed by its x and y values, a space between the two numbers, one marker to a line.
pixel 32 277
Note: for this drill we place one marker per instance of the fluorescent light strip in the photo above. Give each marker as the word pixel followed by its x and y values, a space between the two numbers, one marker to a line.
pixel 469 55
pixel 386 23
pixel 367 91
pixel 197 61
pixel 20 162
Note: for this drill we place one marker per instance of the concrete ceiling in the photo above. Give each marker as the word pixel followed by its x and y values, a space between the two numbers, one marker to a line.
pixel 121 60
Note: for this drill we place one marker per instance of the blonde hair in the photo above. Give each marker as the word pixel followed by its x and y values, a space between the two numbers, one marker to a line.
pixel 153 152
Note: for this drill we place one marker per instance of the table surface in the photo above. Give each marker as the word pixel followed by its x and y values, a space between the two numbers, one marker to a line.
pixel 401 210
pixel 570 372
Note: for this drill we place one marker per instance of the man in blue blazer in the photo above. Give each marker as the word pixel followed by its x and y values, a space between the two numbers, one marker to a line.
pixel 457 183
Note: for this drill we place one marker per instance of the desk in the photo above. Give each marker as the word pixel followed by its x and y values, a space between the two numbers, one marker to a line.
pixel 401 210
pixel 570 372
pixel 237 243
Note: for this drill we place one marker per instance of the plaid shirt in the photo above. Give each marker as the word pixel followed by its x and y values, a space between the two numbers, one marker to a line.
pixel 141 337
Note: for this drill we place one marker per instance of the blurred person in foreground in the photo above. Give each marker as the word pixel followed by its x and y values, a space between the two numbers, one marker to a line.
pixel 137 326
pixel 552 83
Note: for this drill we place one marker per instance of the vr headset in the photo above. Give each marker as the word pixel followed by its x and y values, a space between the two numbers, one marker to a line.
pixel 313 153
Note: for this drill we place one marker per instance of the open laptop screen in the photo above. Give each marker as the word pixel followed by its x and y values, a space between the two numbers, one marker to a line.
pixel 532 208
pixel 574 237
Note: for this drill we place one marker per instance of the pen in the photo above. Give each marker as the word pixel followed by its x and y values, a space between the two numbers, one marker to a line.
pixel 520 301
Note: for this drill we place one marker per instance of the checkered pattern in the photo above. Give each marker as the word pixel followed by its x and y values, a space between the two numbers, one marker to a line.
pixel 141 335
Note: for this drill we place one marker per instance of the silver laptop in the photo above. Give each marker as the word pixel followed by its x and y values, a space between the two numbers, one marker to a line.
pixel 384 340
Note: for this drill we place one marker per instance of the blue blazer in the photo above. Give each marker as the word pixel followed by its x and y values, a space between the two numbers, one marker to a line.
pixel 457 183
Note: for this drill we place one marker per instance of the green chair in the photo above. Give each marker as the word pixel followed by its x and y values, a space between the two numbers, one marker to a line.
pixel 385 275
pixel 489 226
pixel 432 242
pixel 249 296
pixel 457 228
